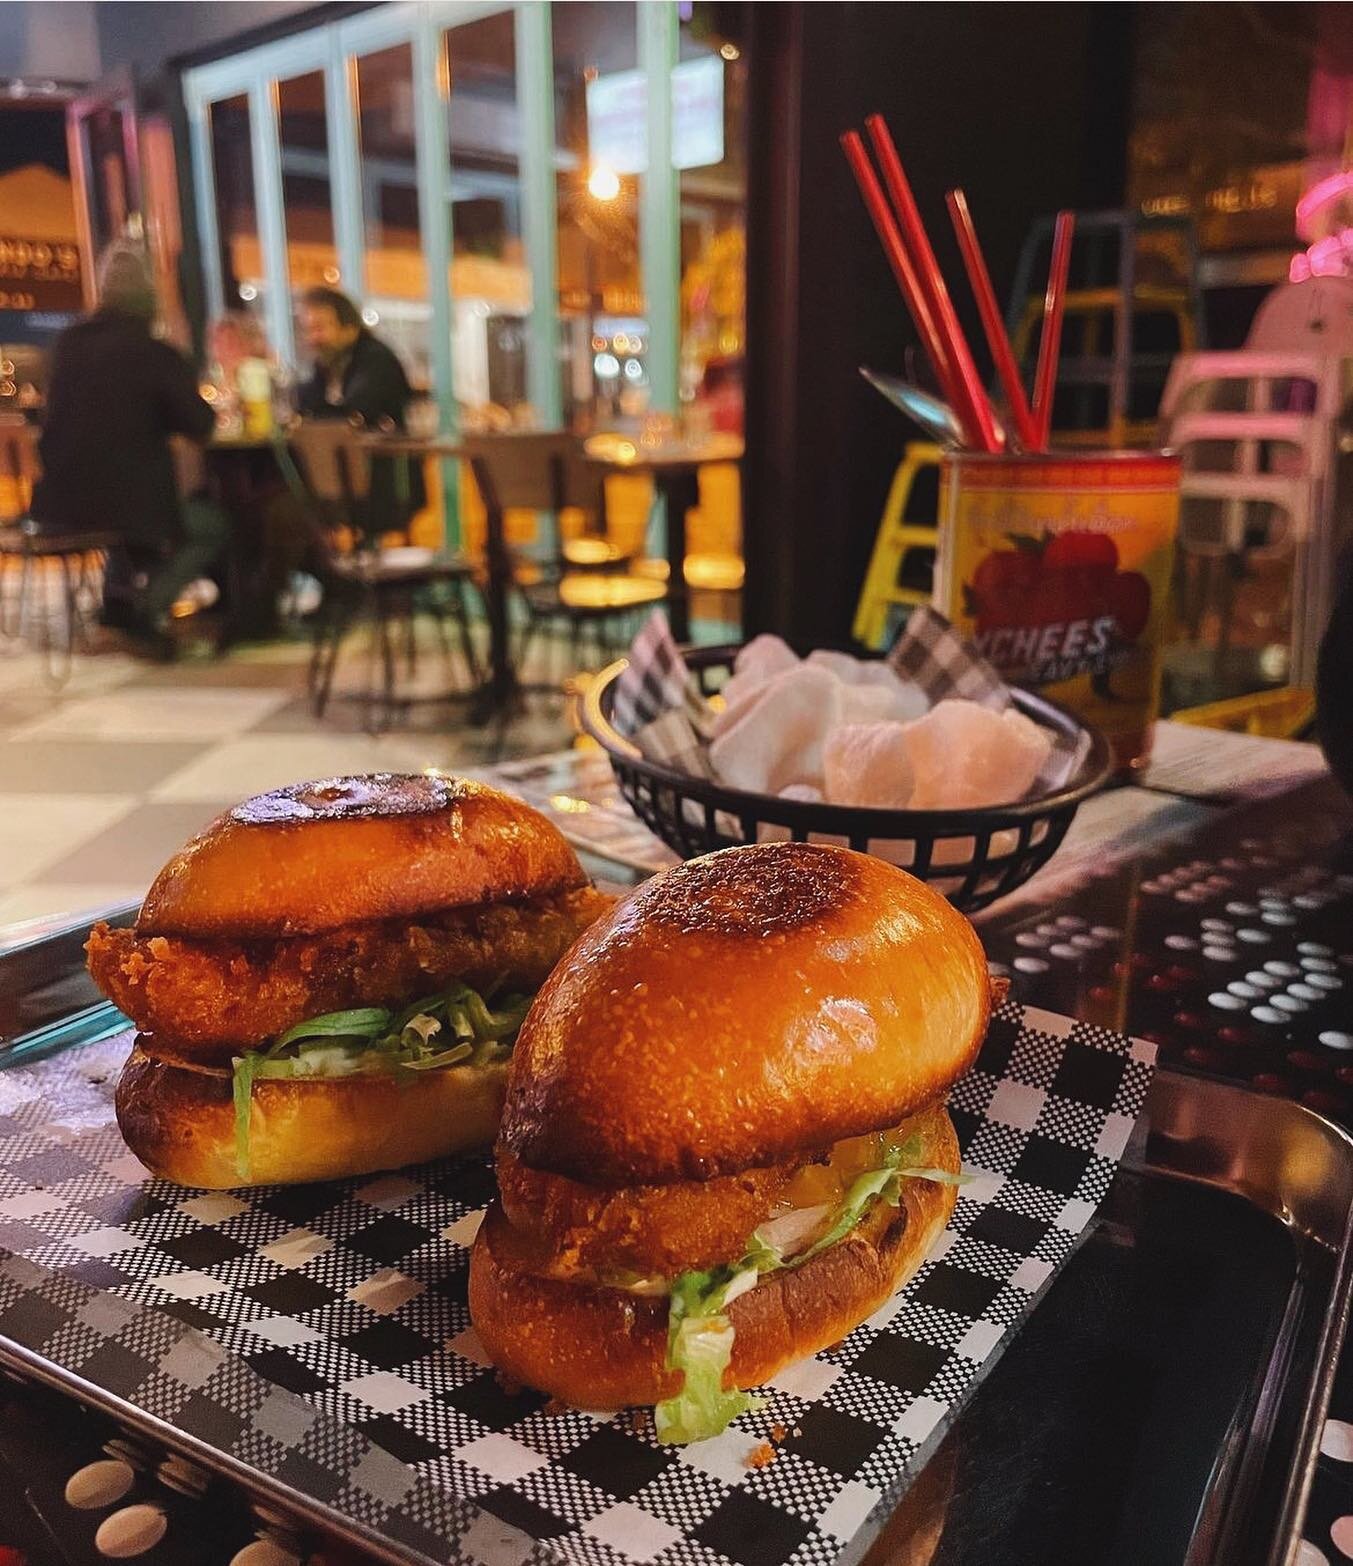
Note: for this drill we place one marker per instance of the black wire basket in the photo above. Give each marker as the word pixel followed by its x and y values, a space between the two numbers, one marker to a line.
pixel 972 856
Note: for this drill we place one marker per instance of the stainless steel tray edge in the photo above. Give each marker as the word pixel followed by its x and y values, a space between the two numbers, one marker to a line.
pixel 259 1486
pixel 1285 1160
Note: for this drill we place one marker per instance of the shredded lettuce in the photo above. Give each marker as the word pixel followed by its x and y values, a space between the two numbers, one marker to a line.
pixel 700 1344
pixel 367 1022
pixel 242 1087
pixel 699 1333
pixel 455 1027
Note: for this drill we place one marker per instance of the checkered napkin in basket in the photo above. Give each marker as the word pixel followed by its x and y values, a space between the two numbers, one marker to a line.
pixel 320 1333
pixel 659 706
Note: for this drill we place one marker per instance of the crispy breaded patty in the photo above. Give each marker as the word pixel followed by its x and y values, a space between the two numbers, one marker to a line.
pixel 662 1230
pixel 212 996
pixel 658 1229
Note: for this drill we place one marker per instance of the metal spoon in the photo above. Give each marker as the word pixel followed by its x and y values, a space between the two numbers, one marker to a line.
pixel 932 413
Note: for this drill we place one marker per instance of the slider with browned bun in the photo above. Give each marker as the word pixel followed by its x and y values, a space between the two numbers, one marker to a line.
pixel 725 1140
pixel 328 979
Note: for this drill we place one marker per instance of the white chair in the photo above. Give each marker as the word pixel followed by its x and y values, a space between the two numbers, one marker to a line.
pixel 1256 428
pixel 1314 316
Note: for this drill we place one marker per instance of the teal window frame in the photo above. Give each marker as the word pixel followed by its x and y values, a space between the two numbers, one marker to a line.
pixel 333 48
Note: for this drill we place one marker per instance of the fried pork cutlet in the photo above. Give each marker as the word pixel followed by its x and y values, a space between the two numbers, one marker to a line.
pixel 213 997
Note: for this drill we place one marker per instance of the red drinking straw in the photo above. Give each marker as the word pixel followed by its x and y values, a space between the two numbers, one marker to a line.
pixel 1050 340
pixel 972 406
pixel 886 226
pixel 992 324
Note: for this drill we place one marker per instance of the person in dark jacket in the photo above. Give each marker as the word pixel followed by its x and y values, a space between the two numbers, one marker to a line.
pixel 115 397
pixel 356 374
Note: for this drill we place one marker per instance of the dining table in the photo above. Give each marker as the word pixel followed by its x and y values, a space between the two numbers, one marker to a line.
pixel 673 463
pixel 1205 909
pixel 242 472
pixel 497 694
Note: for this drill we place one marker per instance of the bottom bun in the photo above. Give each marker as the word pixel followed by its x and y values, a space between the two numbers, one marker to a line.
pixel 179 1120
pixel 603 1349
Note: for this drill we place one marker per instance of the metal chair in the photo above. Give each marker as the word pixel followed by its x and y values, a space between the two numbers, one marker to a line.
pixel 35 556
pixel 548 472
pixel 1258 437
pixel 359 581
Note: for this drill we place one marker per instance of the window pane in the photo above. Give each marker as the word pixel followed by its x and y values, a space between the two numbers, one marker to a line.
pixel 708 126
pixel 709 97
pixel 236 213
pixel 600 126
pixel 108 194
pixel 397 281
pixel 312 256
pixel 490 281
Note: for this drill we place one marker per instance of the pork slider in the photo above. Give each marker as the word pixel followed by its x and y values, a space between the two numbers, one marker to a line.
pixel 329 978
pixel 725 1142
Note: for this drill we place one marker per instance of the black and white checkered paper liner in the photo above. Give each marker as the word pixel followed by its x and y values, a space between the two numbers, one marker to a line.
pixel 659 706
pixel 320 1333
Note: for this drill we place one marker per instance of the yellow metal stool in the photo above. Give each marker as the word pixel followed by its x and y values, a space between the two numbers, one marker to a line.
pixel 897 535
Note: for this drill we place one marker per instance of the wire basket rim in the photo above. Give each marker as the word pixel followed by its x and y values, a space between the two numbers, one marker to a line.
pixel 1093 774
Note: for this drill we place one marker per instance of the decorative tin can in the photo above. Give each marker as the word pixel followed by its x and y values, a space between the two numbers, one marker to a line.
pixel 1057 568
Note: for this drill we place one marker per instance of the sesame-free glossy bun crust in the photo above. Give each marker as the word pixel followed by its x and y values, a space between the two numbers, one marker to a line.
pixel 315 856
pixel 741 1010
pixel 179 1120
pixel 603 1349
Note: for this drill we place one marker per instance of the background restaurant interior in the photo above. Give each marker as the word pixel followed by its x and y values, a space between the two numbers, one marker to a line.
pixel 622 382
pixel 463 464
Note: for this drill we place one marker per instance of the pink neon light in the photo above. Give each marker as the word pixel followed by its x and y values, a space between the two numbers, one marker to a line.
pixel 1324 251
pixel 1320 195
pixel 1328 257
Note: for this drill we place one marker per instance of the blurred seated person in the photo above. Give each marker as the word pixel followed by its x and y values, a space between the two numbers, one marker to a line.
pixel 242 367
pixel 233 338
pixel 116 396
pixel 357 375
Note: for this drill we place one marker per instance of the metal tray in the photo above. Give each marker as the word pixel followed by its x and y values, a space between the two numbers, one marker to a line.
pixel 1163 1405
pixel 1164 1402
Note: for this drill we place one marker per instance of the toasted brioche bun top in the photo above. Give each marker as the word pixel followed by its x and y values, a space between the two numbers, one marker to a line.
pixel 312 857
pixel 743 1009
